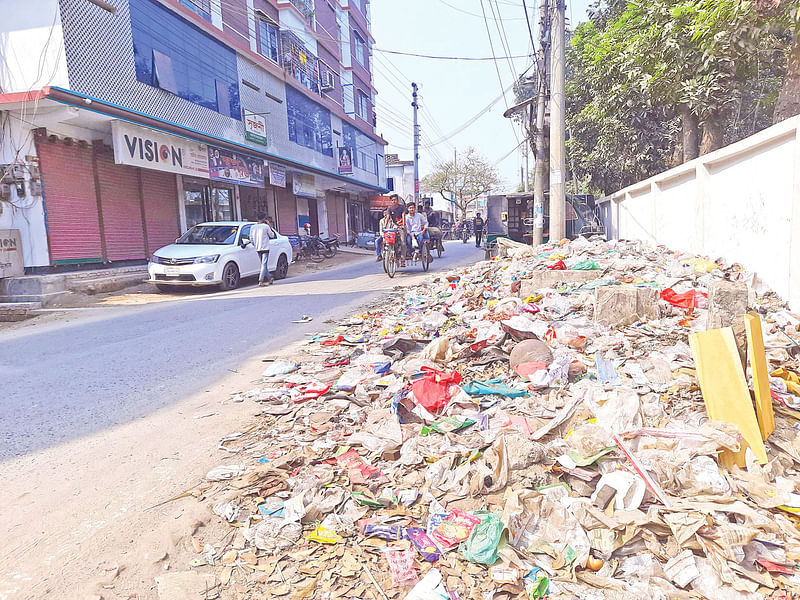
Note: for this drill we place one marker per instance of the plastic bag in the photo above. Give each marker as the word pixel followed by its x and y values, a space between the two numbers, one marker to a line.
pixel 431 391
pixel 481 546
pixel 586 265
pixel 456 528
pixel 323 535
pixel 558 266
pixel 423 543
pixel 401 567
pixel 492 386
pixel 690 299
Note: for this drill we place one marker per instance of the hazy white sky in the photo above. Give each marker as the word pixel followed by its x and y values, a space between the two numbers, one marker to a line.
pixel 453 92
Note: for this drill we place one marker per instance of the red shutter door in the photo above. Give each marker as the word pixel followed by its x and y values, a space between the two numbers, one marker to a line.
pixel 122 213
pixel 287 211
pixel 73 228
pixel 160 208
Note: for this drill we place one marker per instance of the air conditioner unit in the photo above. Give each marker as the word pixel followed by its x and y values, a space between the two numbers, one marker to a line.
pixel 328 81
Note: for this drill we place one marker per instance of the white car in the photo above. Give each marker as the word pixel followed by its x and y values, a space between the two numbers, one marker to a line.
pixel 216 254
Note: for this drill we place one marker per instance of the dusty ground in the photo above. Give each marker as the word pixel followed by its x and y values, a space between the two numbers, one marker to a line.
pixel 111 538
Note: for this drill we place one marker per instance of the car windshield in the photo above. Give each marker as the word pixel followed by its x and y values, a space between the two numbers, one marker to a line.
pixel 209 234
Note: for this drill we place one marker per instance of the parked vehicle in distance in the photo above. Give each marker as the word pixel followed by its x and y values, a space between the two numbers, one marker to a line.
pixel 218 254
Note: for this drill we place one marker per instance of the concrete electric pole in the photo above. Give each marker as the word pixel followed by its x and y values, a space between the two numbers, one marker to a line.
pixel 415 104
pixel 558 227
pixel 540 171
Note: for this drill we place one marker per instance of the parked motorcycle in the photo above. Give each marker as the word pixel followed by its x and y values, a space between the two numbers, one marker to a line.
pixel 331 246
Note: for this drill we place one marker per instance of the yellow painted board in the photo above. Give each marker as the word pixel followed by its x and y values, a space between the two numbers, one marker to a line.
pixel 758 366
pixel 724 388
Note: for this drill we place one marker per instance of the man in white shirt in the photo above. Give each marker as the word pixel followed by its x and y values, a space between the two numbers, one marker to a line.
pixel 260 235
pixel 417 226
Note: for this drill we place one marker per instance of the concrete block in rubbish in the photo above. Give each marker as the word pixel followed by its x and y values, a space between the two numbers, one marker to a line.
pixel 541 280
pixel 727 306
pixel 617 306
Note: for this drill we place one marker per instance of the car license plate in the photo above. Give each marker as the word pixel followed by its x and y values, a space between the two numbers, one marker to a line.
pixel 172 271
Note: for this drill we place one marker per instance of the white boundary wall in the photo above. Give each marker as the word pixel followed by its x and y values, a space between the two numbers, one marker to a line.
pixel 741 202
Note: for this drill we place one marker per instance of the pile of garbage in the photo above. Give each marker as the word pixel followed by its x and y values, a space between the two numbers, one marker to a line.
pixel 586 420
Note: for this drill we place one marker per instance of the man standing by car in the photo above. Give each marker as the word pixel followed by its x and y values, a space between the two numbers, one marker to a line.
pixel 478 227
pixel 260 235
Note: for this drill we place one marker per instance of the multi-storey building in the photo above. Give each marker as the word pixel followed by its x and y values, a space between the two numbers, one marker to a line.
pixel 123 122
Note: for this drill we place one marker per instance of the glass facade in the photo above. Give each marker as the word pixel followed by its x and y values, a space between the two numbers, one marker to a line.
pixel 364 148
pixel 174 55
pixel 309 123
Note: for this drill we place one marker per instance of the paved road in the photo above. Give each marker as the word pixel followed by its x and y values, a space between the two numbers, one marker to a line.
pixel 63 380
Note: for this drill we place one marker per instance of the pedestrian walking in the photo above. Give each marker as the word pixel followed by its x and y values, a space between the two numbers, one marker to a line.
pixel 260 235
pixel 477 226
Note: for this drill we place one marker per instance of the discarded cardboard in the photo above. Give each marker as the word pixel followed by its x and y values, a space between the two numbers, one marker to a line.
pixel 758 367
pixel 725 390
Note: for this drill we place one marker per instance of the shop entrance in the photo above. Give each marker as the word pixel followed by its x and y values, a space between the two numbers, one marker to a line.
pixel 204 202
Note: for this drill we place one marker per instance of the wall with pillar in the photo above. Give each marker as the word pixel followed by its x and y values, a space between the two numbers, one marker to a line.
pixel 741 202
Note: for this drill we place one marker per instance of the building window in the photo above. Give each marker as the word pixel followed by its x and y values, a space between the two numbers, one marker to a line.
pixel 363 105
pixel 268 40
pixel 172 54
pixel 359 48
pixel 309 123
pixel 200 7
pixel 390 183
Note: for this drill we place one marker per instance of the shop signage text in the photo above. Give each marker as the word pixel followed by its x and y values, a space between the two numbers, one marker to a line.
pixel 255 128
pixel 143 147
pixel 277 175
pixel 11 262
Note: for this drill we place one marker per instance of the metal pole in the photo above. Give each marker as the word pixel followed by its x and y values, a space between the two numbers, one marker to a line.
pixel 558 227
pixel 539 174
pixel 415 104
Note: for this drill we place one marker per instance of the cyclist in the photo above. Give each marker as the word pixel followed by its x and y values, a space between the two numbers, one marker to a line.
pixel 416 226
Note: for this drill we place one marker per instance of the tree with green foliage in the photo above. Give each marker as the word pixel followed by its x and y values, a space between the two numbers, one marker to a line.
pixel 652 84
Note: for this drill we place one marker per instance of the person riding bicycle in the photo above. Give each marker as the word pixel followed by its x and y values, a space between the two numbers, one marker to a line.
pixel 416 226
pixel 386 224
pixel 397 212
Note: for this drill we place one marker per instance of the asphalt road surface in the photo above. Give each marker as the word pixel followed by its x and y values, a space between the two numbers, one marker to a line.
pixel 107 366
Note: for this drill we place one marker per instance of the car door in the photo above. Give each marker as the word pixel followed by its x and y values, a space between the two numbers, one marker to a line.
pixel 249 261
pixel 274 252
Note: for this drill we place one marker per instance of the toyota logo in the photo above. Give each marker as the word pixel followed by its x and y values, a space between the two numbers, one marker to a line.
pixel 172 261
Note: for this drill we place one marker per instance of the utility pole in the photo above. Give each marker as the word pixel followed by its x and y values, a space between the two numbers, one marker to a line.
pixel 558 227
pixel 415 104
pixel 539 173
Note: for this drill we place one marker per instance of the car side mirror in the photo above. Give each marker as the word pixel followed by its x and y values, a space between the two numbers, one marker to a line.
pixel 243 243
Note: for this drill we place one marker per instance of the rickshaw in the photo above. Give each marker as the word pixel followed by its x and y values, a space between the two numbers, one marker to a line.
pixel 391 252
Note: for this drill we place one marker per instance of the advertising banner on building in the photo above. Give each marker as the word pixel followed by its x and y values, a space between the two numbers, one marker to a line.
pixel 232 167
pixel 303 185
pixel 277 175
pixel 345 160
pixel 255 128
pixel 150 149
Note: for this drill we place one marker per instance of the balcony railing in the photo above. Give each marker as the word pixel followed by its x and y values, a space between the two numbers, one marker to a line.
pixel 306 7
pixel 299 62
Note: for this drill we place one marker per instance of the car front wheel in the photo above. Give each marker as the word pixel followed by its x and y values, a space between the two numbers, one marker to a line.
pixel 283 267
pixel 230 277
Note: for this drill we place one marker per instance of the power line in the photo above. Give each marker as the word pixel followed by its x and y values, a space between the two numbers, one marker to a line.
pixel 464 58
pixel 466 12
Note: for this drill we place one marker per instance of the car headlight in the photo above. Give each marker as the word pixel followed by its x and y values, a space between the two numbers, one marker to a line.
pixel 206 259
pixel 156 259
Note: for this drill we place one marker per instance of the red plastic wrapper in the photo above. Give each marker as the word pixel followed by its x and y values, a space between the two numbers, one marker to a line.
pixel 558 266
pixel 401 567
pixel 690 299
pixel 456 528
pixel 432 390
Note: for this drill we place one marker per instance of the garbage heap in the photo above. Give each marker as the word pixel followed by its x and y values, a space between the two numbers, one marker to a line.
pixel 585 420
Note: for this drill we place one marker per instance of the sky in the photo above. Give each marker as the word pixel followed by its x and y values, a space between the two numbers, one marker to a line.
pixel 452 92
